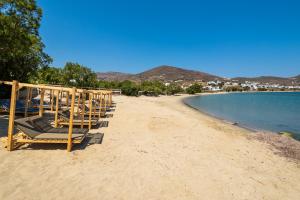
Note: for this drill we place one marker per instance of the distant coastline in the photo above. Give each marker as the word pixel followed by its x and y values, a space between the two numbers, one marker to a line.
pixel 216 117
pixel 251 128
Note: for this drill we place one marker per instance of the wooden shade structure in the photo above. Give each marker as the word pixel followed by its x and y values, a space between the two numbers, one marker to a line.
pixel 58 92
pixel 15 88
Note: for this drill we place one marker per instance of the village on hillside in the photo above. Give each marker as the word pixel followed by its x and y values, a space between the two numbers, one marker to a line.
pixel 235 85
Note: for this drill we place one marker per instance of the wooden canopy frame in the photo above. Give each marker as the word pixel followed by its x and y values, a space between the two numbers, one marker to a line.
pixel 54 91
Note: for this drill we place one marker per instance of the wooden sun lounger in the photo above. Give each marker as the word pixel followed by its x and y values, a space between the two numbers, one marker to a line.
pixel 64 120
pixel 36 130
pixel 87 110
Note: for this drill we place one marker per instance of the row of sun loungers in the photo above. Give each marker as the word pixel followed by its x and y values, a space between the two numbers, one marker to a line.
pixel 59 124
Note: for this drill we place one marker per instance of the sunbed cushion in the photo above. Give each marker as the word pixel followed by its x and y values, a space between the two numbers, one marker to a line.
pixel 42 124
pixel 66 116
pixel 29 127
pixel 25 125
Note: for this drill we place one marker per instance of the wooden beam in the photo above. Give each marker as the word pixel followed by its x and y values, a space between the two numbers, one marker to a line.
pixel 40 86
pixel 110 100
pixel 91 109
pixel 41 111
pixel 105 102
pixel 69 146
pixel 78 104
pixel 56 109
pixel 67 99
pixel 94 108
pixel 52 99
pixel 83 109
pixel 100 106
pixel 12 111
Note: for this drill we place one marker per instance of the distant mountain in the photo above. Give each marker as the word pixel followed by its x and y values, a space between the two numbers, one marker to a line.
pixel 297 78
pixel 270 79
pixel 170 73
pixel 114 76
pixel 167 73
pixel 163 73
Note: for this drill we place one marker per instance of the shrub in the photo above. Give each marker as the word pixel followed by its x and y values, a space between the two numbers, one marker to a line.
pixel 129 88
pixel 173 89
pixel 193 89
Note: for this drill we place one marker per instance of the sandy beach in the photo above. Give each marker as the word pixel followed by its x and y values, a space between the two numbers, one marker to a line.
pixel 153 148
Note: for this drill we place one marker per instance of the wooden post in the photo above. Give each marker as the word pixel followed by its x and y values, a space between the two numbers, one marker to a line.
pixel 83 108
pixel 105 102
pixel 52 99
pixel 12 111
pixel 56 110
pixel 95 107
pixel 42 103
pixel 91 109
pixel 69 146
pixel 26 102
pixel 78 104
pixel 110 99
pixel 67 99
pixel 100 106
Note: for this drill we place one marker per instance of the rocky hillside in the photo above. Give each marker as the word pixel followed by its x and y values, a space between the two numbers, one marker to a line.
pixel 162 73
pixel 169 73
pixel 114 76
pixel 271 80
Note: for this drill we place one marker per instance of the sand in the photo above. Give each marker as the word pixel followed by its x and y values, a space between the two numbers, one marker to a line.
pixel 154 148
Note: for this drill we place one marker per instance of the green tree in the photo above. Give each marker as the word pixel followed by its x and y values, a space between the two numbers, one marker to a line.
pixel 246 88
pixel 173 89
pixel 193 89
pixel 48 75
pixel 21 47
pixel 233 89
pixel 153 88
pixel 77 75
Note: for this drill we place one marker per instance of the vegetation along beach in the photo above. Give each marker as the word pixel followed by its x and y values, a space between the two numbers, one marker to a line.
pixel 149 100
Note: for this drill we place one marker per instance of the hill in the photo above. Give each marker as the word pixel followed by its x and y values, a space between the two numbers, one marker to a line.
pixel 297 78
pixel 163 73
pixel 270 80
pixel 114 76
pixel 170 73
pixel 167 73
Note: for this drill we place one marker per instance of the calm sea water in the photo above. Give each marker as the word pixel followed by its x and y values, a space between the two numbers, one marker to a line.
pixel 272 111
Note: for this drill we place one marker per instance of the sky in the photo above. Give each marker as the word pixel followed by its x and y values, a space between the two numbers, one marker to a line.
pixel 228 38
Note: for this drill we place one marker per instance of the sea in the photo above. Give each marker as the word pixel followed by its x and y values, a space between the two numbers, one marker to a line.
pixel 270 111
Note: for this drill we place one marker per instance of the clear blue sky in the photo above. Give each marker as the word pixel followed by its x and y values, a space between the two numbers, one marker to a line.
pixel 227 38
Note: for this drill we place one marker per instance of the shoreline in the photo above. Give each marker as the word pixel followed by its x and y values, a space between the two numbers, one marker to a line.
pixel 252 129
pixel 222 120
